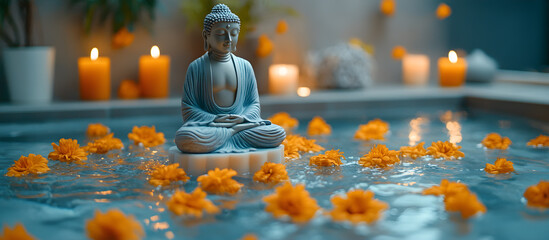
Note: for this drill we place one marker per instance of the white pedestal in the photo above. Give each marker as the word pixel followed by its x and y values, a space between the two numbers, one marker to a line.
pixel 198 164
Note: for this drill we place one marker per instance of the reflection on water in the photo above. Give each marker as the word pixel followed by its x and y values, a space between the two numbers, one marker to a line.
pixel 69 194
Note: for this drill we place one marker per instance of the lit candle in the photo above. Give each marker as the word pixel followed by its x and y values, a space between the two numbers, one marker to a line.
pixel 95 77
pixel 303 91
pixel 154 74
pixel 283 79
pixel 415 69
pixel 452 70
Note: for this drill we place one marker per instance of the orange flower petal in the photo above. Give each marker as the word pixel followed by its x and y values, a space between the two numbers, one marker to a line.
pixel 318 126
pixel 265 46
pixel 191 204
pixel 329 158
pixel 443 11
pixel 281 27
pixel 538 195
pixel 114 225
pixel 68 151
pixel 398 52
pixel 35 164
pixel 387 7
pixel 17 233
pixel 358 206
pixel 219 181
pixel 128 89
pixel 291 201
pixel 164 175
pixel 379 156
pixel 271 173
pixel 147 136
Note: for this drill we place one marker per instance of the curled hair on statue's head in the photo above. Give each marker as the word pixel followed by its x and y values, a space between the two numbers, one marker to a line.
pixel 219 13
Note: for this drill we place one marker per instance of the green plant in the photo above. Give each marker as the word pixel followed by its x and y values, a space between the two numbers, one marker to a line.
pixel 123 13
pixel 9 30
pixel 250 12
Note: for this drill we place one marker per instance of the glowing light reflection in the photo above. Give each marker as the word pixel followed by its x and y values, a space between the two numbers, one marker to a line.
pixel 161 226
pixel 415 132
pixel 454 130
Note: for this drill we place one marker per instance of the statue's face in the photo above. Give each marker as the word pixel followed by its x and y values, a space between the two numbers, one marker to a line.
pixel 224 36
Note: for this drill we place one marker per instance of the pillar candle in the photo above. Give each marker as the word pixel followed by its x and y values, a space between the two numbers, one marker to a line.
pixel 415 69
pixel 95 77
pixel 452 70
pixel 154 74
pixel 283 79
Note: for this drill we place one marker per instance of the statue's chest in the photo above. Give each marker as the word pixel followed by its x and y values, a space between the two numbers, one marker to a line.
pixel 224 77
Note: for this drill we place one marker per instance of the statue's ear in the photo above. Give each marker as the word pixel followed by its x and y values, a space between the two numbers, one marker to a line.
pixel 205 37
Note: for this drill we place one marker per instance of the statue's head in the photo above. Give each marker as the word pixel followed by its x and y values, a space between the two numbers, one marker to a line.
pixel 221 29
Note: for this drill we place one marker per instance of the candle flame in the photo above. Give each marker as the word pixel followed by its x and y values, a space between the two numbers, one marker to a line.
pixel 452 56
pixel 94 54
pixel 155 51
pixel 303 91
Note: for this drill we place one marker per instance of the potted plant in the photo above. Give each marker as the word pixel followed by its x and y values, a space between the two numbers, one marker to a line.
pixel 29 69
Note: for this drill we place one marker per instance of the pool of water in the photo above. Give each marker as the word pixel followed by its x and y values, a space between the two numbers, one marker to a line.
pixel 56 205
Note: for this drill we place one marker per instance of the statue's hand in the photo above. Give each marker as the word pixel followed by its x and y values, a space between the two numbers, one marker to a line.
pixel 225 125
pixel 228 118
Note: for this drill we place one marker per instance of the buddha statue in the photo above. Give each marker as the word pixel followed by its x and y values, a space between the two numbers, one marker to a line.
pixel 220 103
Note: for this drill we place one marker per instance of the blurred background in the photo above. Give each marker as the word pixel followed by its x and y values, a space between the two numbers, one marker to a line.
pixel 512 32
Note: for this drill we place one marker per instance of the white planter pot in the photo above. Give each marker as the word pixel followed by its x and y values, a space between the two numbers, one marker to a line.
pixel 29 72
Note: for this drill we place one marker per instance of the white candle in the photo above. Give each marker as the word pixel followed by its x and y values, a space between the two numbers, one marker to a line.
pixel 283 79
pixel 415 69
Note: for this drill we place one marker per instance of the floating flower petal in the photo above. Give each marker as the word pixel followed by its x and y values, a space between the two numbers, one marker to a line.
pixel 265 46
pixel 540 141
pixel 329 158
pixel 271 173
pixel 128 89
pixel 68 151
pixel 291 201
pixel 191 204
pixel 96 130
pixel 538 195
pixel 294 144
pixel 387 7
pixel 464 202
pixel 358 206
pixel 163 175
pixel 147 136
pixel 495 141
pixel 318 126
pixel 284 120
pixel 104 144
pixel 35 164
pixel 219 181
pixel 413 151
pixel 114 225
pixel 379 156
pixel 446 188
pixel 373 130
pixel 398 52
pixel 443 11
pixel 17 233
pixel 444 150
pixel 500 166
pixel 281 27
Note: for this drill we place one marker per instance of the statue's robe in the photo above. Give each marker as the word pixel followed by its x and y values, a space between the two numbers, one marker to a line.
pixel 199 110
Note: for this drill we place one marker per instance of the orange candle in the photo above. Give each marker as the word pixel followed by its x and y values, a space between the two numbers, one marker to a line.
pixel 452 70
pixel 154 74
pixel 95 77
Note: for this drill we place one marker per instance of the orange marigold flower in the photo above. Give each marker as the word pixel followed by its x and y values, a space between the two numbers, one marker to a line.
pixel 122 38
pixel 114 225
pixel 68 151
pixel 538 195
pixel 445 150
pixel 193 204
pixel 318 126
pixel 219 181
pixel 17 233
pixel 284 120
pixel 271 173
pixel 413 151
pixel 500 166
pixel 446 188
pixel 281 27
pixel 387 7
pixel 465 202
pixel 249 236
pixel 265 46
pixel 329 158
pixel 540 141
pixel 359 206
pixel 104 144
pixel 96 130
pixel 443 11
pixel 147 136
pixel 495 141
pixel 25 165
pixel 128 89
pixel 294 144
pixel 163 175
pixel 379 156
pixel 373 130
pixel 292 201
pixel 398 52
